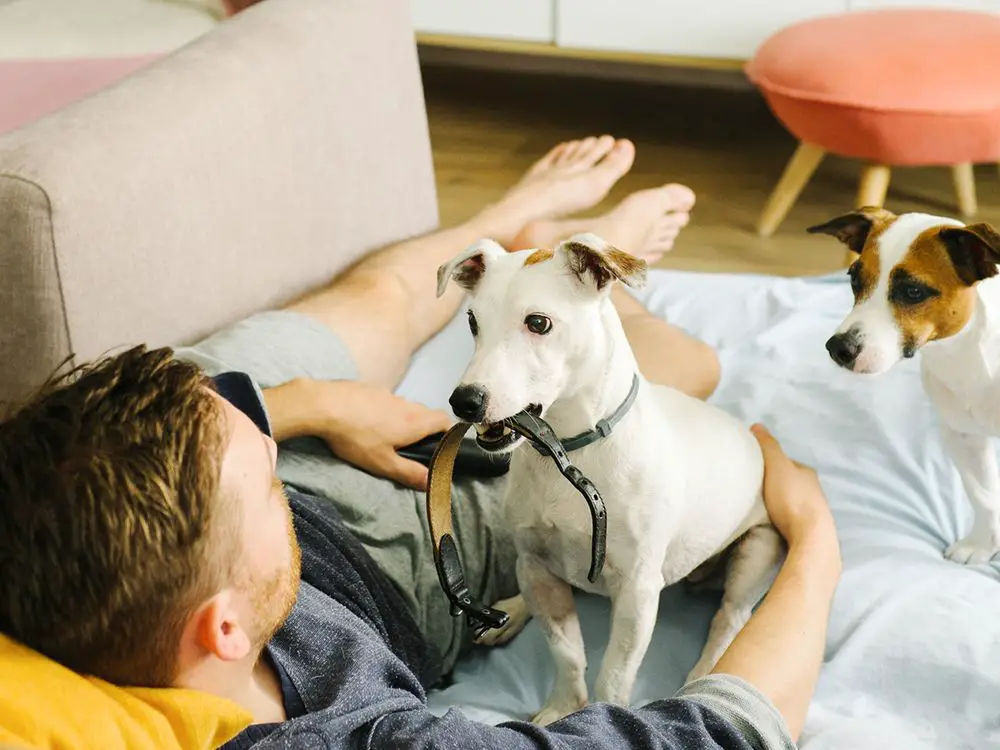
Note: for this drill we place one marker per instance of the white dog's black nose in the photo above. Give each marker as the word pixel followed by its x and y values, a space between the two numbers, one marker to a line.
pixel 844 348
pixel 469 402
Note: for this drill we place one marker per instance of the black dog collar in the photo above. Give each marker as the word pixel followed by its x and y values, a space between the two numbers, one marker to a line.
pixel 602 429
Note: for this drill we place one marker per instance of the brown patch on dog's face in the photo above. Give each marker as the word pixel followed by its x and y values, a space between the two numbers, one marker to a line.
pixel 927 293
pixel 539 256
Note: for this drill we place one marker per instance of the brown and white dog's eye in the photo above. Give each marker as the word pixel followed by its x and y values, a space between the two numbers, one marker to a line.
pixel 473 325
pixel 854 272
pixel 906 290
pixel 539 324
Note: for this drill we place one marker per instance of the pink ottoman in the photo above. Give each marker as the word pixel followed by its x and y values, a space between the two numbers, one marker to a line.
pixel 30 89
pixel 893 88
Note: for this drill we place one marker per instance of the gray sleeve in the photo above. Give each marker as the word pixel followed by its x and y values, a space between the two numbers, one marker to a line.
pixel 743 706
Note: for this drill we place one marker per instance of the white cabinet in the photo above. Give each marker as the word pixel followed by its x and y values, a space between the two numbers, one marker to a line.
pixel 981 5
pixel 523 20
pixel 695 29
pixel 710 28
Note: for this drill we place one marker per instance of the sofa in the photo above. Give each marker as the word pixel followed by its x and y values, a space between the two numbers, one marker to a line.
pixel 227 176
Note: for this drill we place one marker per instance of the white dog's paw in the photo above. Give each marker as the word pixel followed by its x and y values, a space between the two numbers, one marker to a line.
pixel 975 549
pixel 553 712
pixel 518 616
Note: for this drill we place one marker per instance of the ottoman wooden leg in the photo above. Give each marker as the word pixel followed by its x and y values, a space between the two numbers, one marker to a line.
pixel 873 186
pixel 797 173
pixel 965 188
pixel 872 189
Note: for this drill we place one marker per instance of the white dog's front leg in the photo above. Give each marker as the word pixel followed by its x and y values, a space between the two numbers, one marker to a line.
pixel 550 600
pixel 633 615
pixel 977 465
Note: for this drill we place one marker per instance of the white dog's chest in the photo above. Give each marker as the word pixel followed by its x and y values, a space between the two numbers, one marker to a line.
pixel 966 399
pixel 668 509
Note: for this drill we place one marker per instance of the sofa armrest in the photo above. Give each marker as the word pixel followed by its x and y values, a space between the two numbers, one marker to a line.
pixel 229 177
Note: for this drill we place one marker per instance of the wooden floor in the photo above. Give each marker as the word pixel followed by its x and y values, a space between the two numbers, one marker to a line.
pixel 487 128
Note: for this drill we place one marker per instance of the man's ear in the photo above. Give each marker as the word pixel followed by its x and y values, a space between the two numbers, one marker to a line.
pixel 592 259
pixel 854 227
pixel 974 251
pixel 216 628
pixel 468 267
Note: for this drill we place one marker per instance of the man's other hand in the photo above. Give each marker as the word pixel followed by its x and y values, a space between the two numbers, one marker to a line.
pixel 793 496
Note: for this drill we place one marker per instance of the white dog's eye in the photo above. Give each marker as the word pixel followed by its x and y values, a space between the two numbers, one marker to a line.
pixel 539 324
pixel 473 325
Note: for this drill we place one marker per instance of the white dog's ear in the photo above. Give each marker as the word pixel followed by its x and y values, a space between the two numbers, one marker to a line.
pixel 589 256
pixel 468 267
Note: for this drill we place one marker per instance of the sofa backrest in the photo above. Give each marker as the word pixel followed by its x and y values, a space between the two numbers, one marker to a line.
pixel 230 176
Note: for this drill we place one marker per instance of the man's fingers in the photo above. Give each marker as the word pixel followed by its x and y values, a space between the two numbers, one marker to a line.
pixel 409 473
pixel 438 421
pixel 765 438
pixel 769 446
pixel 772 449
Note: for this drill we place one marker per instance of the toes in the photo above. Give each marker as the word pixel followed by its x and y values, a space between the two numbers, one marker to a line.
pixel 674 221
pixel 573 153
pixel 618 160
pixel 591 151
pixel 551 158
pixel 681 197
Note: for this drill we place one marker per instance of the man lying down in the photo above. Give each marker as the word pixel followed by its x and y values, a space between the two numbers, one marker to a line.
pixel 147 539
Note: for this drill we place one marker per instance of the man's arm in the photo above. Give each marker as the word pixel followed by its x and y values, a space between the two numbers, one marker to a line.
pixel 780 649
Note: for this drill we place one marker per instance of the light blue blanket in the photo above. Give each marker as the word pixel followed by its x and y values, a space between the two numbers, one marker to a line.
pixel 913 655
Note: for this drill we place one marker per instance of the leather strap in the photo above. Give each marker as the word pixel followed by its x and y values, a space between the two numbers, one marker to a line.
pixel 544 439
pixel 603 427
pixel 446 559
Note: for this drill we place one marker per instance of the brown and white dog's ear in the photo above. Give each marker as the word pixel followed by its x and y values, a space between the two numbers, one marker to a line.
pixel 468 267
pixel 592 259
pixel 974 251
pixel 854 227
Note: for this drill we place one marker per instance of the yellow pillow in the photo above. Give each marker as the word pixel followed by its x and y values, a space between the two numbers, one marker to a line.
pixel 43 704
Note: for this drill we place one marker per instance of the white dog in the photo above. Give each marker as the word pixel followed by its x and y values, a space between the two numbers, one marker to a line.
pixel 681 479
pixel 925 282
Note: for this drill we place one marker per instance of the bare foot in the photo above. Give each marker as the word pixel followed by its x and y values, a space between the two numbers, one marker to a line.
pixel 572 177
pixel 645 224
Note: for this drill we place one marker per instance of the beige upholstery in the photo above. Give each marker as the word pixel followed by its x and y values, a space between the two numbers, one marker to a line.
pixel 229 177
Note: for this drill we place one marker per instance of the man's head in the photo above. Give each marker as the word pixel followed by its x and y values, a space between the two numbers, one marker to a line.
pixel 539 324
pixel 141 527
pixel 913 282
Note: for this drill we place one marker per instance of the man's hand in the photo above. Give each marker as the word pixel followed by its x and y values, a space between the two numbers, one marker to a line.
pixel 363 424
pixel 793 496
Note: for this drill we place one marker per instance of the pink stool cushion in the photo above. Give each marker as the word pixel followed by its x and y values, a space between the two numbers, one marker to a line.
pixel 30 89
pixel 902 87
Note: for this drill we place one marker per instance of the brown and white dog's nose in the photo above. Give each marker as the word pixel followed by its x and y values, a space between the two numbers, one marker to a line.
pixel 844 348
pixel 469 402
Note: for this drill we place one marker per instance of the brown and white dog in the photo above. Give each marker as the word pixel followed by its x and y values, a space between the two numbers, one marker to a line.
pixel 924 282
